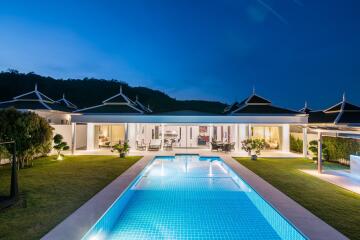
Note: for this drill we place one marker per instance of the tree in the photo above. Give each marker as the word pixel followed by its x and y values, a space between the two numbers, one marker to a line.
pixel 59 145
pixel 122 149
pixel 250 145
pixel 32 134
pixel 314 150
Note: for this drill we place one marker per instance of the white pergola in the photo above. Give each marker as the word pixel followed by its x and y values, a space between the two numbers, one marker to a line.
pixel 323 130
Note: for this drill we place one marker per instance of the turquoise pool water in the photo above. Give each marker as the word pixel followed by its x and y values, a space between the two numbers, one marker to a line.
pixel 191 197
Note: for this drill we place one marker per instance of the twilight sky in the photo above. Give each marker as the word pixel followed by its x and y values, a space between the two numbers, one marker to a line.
pixel 290 50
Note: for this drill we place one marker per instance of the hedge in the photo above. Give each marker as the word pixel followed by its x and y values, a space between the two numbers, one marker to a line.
pixel 296 144
pixel 341 148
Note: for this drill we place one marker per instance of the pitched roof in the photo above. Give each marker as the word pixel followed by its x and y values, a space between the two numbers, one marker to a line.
pixel 117 104
pixel 305 109
pixel 64 102
pixel 231 107
pixel 342 113
pixel 257 105
pixel 139 105
pixel 186 113
pixel 34 100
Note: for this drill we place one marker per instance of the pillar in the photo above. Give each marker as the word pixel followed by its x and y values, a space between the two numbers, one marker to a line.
pixel 211 131
pixel 243 131
pixel 162 136
pixel 305 142
pixel 236 137
pixel 90 136
pixel 285 138
pixel 126 131
pixel 73 138
pixel 319 161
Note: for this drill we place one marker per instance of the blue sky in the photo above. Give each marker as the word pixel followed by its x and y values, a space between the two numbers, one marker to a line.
pixel 290 50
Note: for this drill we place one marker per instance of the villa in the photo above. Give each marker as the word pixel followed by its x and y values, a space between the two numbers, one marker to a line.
pixel 118 119
pixel 205 177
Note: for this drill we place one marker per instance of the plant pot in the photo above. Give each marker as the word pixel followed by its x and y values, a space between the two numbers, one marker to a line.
pixel 253 157
pixel 122 155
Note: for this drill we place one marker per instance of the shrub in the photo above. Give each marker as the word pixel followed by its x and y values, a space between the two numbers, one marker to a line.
pixel 341 148
pixel 251 144
pixel 60 146
pixel 314 150
pixel 296 144
pixel 32 134
pixel 122 149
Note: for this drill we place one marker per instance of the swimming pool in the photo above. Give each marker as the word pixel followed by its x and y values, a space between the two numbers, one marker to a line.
pixel 191 197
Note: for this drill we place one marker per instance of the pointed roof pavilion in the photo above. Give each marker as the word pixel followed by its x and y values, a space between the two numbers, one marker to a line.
pixel 141 106
pixel 34 100
pixel 342 113
pixel 117 104
pixel 63 101
pixel 305 109
pixel 257 105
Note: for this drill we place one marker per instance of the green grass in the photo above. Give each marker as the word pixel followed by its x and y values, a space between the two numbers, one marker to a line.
pixel 52 190
pixel 336 206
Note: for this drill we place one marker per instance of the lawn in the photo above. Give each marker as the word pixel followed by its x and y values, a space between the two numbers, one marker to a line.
pixel 52 190
pixel 336 206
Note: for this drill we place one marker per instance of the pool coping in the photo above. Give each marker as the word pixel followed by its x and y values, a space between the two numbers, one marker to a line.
pixel 305 221
pixel 76 225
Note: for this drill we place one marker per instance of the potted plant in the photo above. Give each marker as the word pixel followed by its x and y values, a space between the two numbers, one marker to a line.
pixel 59 146
pixel 250 145
pixel 122 149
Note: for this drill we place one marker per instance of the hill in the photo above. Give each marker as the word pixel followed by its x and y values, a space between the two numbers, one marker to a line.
pixel 89 91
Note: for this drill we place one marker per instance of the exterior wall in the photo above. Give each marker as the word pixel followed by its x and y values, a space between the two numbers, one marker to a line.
pixel 56 118
pixel 66 132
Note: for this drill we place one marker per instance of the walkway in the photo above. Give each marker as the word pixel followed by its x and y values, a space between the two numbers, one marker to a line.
pixel 341 178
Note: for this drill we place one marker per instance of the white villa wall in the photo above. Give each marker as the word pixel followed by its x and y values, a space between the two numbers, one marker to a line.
pixel 64 130
pixel 55 118
pixel 81 133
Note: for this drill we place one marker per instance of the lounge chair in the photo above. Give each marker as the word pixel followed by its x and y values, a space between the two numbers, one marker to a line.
pixel 154 145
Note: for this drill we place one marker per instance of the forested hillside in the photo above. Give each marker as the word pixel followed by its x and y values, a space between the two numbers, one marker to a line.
pixel 88 92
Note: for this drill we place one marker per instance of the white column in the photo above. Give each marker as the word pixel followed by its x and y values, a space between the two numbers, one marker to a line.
pixel 210 135
pixel 242 134
pixel 73 138
pixel 90 136
pixel 131 129
pixel 249 131
pixel 305 142
pixel 285 138
pixel 237 137
pixel 162 136
pixel 319 161
pixel 126 131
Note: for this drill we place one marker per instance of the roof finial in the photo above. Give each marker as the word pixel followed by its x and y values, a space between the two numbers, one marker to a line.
pixel 344 97
pixel 120 88
pixel 63 95
pixel 137 98
pixel 305 106
pixel 35 86
pixel 254 90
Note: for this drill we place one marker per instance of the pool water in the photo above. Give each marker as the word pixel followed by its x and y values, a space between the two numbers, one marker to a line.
pixel 191 197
